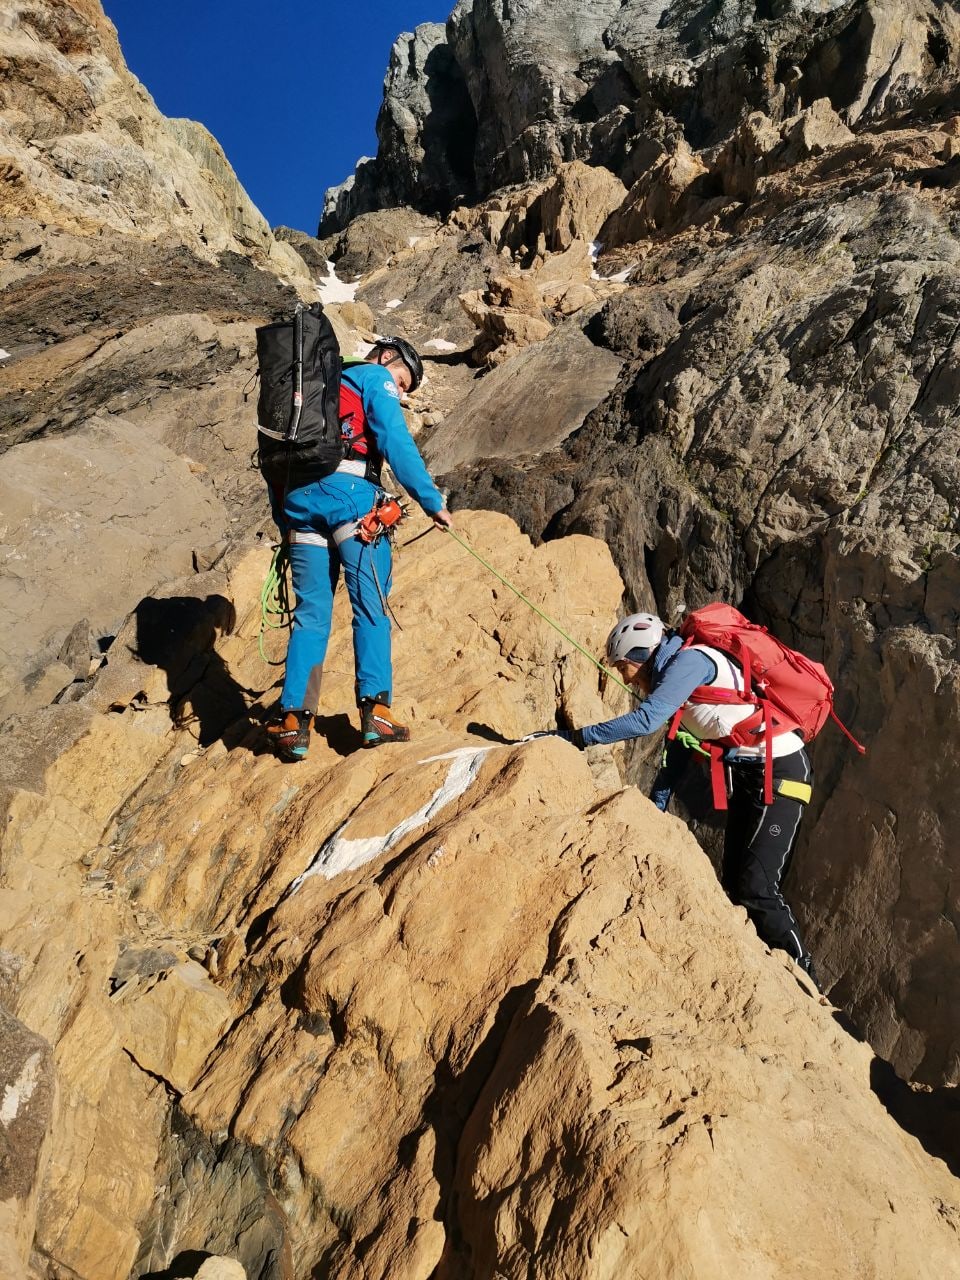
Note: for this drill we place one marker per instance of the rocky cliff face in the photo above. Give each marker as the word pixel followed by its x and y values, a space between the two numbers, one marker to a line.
pixel 450 1009
pixel 782 431
pixel 784 434
pixel 425 131
pixel 620 83
pixel 468 1007
pixel 83 148
pixel 132 266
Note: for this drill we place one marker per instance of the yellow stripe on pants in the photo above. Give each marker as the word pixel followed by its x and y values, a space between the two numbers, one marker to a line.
pixel 801 791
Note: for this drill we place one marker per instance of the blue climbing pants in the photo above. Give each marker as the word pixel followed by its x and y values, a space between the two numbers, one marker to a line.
pixel 320 508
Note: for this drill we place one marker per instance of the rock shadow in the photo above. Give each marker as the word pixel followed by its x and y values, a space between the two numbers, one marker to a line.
pixel 341 734
pixel 448 1109
pixel 450 130
pixel 488 734
pixel 184 1266
pixel 178 634
pixel 931 1115
pixel 217 1202
pixel 451 358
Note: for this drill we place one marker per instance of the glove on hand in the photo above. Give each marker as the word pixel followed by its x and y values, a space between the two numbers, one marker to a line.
pixel 568 735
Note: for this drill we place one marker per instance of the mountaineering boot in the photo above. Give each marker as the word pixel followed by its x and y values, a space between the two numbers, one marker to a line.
pixel 377 725
pixel 289 735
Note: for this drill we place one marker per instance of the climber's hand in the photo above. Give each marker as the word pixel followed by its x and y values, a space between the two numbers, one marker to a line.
pixel 574 736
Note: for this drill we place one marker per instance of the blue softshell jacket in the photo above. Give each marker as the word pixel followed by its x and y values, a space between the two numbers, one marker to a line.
pixel 322 506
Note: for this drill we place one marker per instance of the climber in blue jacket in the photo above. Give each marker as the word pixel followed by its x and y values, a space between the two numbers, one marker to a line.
pixel 320 522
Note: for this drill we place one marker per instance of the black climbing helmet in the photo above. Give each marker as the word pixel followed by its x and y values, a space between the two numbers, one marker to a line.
pixel 407 354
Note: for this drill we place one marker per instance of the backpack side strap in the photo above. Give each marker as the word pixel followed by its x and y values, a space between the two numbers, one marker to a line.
pixel 846 732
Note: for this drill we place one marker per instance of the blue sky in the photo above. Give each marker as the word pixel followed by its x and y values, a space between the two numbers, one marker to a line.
pixel 290 92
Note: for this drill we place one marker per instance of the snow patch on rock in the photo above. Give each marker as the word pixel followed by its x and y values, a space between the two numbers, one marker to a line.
pixel 339 854
pixel 19 1093
pixel 333 289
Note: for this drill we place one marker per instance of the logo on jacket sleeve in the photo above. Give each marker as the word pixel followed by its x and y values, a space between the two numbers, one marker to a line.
pixel 390 387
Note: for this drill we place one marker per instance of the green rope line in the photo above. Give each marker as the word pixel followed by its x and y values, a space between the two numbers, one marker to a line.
pixel 276 613
pixel 539 612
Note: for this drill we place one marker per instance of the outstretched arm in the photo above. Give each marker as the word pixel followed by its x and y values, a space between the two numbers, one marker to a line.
pixel 686 672
pixel 386 421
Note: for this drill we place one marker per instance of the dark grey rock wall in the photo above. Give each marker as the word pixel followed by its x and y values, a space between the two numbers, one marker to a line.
pixel 426 132
pixel 785 435
pixel 510 90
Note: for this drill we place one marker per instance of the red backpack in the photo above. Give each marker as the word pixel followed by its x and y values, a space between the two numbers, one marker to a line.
pixel 789 690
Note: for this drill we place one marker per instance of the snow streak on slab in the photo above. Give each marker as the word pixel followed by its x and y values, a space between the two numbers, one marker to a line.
pixel 19 1093
pixel 439 344
pixel 340 854
pixel 333 289
pixel 619 278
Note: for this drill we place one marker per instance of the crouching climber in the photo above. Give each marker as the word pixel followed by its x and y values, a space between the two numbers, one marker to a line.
pixel 321 521
pixel 699 690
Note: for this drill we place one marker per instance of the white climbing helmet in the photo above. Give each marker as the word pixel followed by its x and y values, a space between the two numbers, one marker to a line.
pixel 634 638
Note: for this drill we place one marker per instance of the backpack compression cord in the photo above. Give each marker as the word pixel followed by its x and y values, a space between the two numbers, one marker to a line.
pixel 297 374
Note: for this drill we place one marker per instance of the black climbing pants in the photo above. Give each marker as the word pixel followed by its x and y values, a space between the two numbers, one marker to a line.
pixel 759 844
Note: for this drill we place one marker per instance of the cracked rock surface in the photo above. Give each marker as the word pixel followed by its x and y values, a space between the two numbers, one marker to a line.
pixel 783 434
pixel 619 83
pixel 466 1005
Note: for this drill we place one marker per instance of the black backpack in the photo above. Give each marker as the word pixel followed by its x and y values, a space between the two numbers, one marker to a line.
pixel 298 409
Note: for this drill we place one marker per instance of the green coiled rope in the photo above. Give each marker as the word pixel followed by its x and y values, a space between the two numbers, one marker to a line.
pixel 276 612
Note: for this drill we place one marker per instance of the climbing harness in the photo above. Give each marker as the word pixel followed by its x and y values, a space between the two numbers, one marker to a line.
pixel 276 613
pixel 381 521
pixel 608 675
